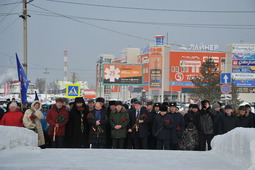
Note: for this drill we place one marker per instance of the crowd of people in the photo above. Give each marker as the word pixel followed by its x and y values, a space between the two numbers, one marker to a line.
pixel 116 125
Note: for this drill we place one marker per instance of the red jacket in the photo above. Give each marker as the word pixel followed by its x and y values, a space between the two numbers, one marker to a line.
pixel 52 117
pixel 12 119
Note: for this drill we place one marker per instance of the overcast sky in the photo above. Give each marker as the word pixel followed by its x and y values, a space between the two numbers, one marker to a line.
pixel 89 28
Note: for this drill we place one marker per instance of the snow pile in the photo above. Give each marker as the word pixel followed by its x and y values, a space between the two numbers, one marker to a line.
pixel 12 137
pixel 238 145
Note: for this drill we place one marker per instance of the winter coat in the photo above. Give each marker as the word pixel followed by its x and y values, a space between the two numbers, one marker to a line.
pixel 97 133
pixel 179 127
pixel 189 117
pixel 34 124
pixel 1 113
pixel 204 121
pixel 227 123
pixel 143 128
pixel 78 128
pixel 119 118
pixel 162 126
pixel 12 119
pixel 245 121
pixel 216 121
pixel 190 139
pixel 44 123
pixel 52 118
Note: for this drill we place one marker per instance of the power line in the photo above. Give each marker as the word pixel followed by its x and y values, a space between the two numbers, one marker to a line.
pixel 92 25
pixel 11 3
pixel 8 13
pixel 9 25
pixel 220 26
pixel 148 9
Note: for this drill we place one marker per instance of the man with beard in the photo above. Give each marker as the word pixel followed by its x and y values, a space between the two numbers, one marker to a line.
pixel 77 125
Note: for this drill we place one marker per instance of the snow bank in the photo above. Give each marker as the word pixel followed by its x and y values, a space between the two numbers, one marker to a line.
pixel 237 145
pixel 12 137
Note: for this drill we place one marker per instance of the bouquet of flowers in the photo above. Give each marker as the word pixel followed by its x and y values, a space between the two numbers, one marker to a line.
pixel 144 117
pixel 98 130
pixel 60 119
pixel 124 120
pixel 81 109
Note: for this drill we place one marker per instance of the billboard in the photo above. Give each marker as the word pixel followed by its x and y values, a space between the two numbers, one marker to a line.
pixel 243 62
pixel 243 69
pixel 184 65
pixel 123 74
pixel 155 66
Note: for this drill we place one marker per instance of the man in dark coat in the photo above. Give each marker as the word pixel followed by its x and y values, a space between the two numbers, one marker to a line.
pixel 204 122
pixel 163 123
pixel 179 126
pixel 108 126
pixel 77 125
pixel 1 113
pixel 189 117
pixel 151 112
pixel 138 126
pixel 248 107
pixel 97 120
pixel 228 121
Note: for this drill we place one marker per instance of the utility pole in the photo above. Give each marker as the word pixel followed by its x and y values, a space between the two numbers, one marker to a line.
pixel 46 88
pixel 74 78
pixel 100 75
pixel 24 17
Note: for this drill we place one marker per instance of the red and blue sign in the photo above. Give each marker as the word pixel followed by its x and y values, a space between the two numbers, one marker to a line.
pixel 131 88
pixel 225 88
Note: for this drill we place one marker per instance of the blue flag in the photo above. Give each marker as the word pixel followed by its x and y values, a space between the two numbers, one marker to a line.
pixel 23 81
pixel 36 97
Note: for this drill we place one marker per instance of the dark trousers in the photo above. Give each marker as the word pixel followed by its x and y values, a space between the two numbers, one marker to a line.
pixel 58 143
pixel 140 143
pixel 203 139
pixel 152 142
pixel 163 144
pixel 98 144
pixel 118 143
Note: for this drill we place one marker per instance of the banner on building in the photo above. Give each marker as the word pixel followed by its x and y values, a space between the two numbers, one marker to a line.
pixel 155 71
pixel 122 74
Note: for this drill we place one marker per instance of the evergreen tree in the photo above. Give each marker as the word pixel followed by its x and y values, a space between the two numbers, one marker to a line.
pixel 208 84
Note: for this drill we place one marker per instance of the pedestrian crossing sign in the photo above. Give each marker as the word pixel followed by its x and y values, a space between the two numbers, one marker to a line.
pixel 73 90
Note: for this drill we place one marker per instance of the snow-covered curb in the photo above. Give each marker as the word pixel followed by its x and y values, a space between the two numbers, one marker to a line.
pixel 12 137
pixel 238 145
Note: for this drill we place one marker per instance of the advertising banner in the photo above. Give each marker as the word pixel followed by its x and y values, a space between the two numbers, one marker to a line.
pixel 243 69
pixel 243 62
pixel 123 74
pixel 185 65
pixel 243 76
pixel 155 71
pixel 244 83
pixel 243 56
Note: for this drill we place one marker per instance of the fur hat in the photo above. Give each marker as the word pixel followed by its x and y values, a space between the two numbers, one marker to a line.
pixel 100 99
pixel 79 100
pixel 157 105
pixel 112 102
pixel 118 103
pixel 163 108
pixel 172 104
pixel 133 100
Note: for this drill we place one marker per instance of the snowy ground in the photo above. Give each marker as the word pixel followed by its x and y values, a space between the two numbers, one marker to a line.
pixel 221 158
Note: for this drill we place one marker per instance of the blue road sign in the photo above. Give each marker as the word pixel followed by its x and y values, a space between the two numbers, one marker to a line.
pixel 225 78
pixel 72 90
